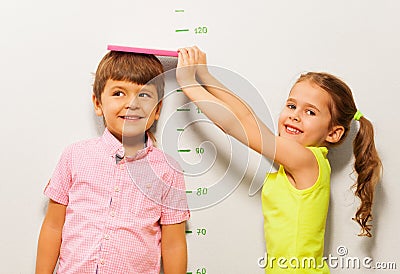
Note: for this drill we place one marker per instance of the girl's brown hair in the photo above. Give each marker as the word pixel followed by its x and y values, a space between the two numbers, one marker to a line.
pixel 367 162
pixel 137 68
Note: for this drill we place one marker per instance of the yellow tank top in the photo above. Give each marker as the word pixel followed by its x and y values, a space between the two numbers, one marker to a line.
pixel 294 220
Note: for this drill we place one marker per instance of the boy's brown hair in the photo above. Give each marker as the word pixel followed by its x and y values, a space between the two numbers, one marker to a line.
pixel 126 66
pixel 137 68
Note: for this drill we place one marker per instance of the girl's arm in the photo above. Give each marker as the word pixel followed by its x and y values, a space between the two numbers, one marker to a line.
pixel 173 248
pixel 50 238
pixel 237 119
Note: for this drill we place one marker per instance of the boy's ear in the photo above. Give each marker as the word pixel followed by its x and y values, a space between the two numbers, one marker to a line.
pixel 158 110
pixel 97 106
pixel 335 134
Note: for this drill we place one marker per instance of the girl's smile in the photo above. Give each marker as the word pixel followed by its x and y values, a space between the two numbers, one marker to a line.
pixel 306 117
pixel 292 130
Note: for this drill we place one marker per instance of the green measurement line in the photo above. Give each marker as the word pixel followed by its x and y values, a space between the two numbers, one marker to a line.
pixel 189 191
pixel 179 90
pixel 184 150
pixel 189 272
pixel 183 109
pixel 180 129
pixel 188 231
pixel 181 30
pixel 179 10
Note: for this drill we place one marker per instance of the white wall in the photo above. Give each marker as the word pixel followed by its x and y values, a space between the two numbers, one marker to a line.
pixel 50 48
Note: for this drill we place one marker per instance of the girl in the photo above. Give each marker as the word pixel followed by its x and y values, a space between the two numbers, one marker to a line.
pixel 317 115
pixel 116 203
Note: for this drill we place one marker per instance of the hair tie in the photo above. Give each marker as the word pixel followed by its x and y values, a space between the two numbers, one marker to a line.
pixel 357 115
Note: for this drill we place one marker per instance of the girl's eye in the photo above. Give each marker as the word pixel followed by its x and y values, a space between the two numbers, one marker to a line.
pixel 291 106
pixel 310 112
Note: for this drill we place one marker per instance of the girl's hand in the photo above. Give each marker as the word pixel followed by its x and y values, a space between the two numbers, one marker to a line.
pixel 186 70
pixel 191 61
pixel 201 68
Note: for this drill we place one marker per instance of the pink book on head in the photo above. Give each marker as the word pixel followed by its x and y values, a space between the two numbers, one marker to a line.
pixel 157 52
pixel 168 58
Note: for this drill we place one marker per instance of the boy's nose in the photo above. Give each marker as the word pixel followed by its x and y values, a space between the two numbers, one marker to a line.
pixel 133 103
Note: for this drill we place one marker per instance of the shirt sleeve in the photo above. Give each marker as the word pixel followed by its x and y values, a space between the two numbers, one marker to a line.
pixel 175 207
pixel 58 187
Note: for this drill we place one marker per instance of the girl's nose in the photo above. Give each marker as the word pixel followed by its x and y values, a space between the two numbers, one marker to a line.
pixel 294 116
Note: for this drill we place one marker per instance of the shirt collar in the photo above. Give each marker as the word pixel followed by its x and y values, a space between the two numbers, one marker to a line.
pixel 114 146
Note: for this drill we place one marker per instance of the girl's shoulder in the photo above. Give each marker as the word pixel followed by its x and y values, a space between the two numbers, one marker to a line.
pixel 319 151
pixel 321 154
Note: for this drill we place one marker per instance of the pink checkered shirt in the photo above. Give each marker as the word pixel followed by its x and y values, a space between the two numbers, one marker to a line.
pixel 114 210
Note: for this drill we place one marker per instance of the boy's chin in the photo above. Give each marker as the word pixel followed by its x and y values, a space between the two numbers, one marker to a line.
pixel 127 136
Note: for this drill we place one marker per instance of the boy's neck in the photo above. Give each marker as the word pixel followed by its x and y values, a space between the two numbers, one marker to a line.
pixel 133 144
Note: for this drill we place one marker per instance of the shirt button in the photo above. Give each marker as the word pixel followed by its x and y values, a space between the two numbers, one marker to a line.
pixel 112 213
pixel 116 188
pixel 102 261
pixel 107 237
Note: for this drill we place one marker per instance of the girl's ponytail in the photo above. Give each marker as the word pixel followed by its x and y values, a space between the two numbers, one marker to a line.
pixel 367 163
pixel 368 167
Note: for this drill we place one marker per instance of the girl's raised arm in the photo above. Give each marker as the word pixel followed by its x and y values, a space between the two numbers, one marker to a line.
pixel 223 107
pixel 237 119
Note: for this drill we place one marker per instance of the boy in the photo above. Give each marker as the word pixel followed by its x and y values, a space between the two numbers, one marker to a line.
pixel 117 203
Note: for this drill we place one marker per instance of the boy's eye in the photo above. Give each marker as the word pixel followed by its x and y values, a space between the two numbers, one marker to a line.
pixel 144 94
pixel 291 106
pixel 118 93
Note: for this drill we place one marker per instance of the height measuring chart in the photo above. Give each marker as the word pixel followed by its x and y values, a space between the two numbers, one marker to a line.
pixel 215 166
pixel 221 174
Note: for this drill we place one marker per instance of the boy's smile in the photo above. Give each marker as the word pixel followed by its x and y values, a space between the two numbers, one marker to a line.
pixel 128 109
